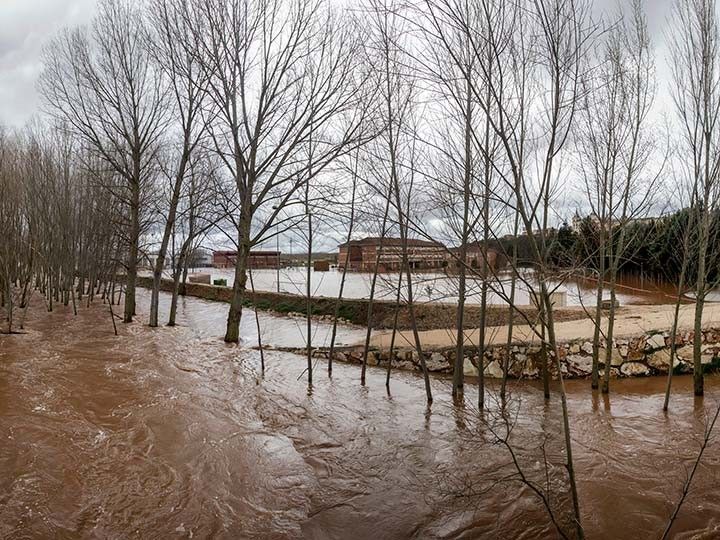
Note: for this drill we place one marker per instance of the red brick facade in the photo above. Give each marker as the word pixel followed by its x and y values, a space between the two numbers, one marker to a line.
pixel 422 254
pixel 258 259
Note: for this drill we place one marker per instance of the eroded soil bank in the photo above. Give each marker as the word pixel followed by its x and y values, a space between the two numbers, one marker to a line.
pixel 170 433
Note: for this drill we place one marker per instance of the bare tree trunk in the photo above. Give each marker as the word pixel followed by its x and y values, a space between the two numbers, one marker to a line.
pixel 373 284
pixel 232 333
pixel 609 346
pixel 308 292
pixel 698 378
pixel 177 272
pixel 257 323
pixel 132 252
pixel 338 302
pixel 595 377
pixel 511 314
pixel 402 222
pixel 673 335
pixel 458 375
pixel 391 353
pixel 162 252
pixel 566 416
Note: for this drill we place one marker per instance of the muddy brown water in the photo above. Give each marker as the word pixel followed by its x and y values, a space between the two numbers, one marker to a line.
pixel 170 433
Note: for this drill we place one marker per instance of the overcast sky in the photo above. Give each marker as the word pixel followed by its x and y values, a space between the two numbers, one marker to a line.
pixel 24 26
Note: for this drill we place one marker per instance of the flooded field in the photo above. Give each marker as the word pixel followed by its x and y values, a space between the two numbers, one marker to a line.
pixel 435 287
pixel 171 433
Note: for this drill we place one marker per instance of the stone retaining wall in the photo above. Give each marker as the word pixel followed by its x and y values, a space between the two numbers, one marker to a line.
pixel 645 355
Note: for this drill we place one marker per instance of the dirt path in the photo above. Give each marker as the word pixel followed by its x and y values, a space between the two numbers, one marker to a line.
pixel 630 321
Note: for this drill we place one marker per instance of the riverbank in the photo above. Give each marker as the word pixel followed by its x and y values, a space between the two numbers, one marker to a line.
pixel 429 315
pixel 630 322
pixel 640 356
pixel 641 346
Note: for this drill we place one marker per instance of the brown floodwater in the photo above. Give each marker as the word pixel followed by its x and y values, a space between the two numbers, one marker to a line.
pixel 170 433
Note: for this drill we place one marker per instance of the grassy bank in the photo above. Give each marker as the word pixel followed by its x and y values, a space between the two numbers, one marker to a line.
pixel 429 316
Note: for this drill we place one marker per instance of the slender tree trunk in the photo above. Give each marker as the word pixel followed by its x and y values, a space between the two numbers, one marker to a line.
pixel 566 417
pixel 402 221
pixel 132 252
pixel 595 377
pixel 232 333
pixel 511 313
pixel 458 375
pixel 373 284
pixel 673 335
pixel 308 291
pixel 257 323
pixel 391 354
pixel 177 273
pixel 338 302
pixel 167 232
pixel 698 379
pixel 609 347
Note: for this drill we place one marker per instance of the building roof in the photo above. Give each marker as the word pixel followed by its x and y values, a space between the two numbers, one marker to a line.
pixel 390 241
pixel 477 246
pixel 233 253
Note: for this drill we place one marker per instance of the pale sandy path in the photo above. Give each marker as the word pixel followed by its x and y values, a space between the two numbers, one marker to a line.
pixel 631 321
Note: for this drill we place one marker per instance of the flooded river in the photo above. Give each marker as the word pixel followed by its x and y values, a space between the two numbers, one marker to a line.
pixel 171 433
pixel 438 287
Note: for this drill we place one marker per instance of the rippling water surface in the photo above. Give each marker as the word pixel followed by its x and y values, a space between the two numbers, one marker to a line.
pixel 170 433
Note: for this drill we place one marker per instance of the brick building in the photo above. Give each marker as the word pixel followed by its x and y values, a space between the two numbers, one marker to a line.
pixel 475 257
pixel 422 254
pixel 258 259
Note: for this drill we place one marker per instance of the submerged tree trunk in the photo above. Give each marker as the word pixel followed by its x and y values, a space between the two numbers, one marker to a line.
pixel 511 313
pixel 308 291
pixel 338 301
pixel 162 252
pixel 458 374
pixel 569 464
pixel 177 273
pixel 257 323
pixel 391 353
pixel 373 284
pixel 595 377
pixel 673 344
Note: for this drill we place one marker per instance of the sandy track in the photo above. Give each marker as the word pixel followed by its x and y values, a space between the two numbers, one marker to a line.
pixel 630 321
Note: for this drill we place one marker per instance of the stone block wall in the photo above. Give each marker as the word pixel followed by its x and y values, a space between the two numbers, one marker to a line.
pixel 645 355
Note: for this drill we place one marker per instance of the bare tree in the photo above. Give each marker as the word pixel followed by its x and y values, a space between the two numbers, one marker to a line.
pixel 277 71
pixel 102 83
pixel 614 149
pixel 171 48
pixel 346 261
pixel 694 55
pixel 395 149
